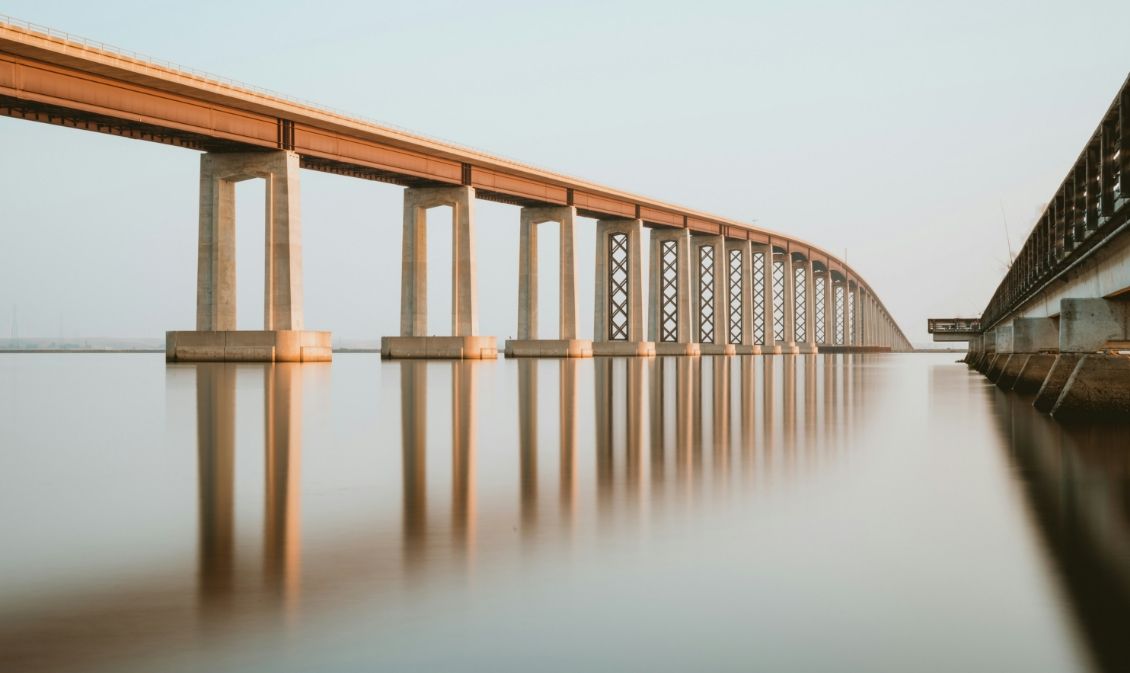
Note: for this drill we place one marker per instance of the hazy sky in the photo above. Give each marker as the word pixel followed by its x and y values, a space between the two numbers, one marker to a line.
pixel 903 133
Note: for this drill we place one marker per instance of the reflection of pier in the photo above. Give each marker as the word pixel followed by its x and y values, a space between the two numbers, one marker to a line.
pixel 651 445
pixel 1077 483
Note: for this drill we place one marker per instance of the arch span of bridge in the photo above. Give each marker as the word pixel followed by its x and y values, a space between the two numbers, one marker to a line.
pixel 717 285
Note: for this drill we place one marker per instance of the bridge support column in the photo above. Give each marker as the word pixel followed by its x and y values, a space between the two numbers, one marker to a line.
pixel 739 306
pixel 1003 339
pixel 528 344
pixel 283 338
pixel 829 308
pixel 857 317
pixel 1098 385
pixel 762 261
pixel 808 344
pixel 669 299
pixel 788 305
pixel 618 320
pixel 709 282
pixel 414 341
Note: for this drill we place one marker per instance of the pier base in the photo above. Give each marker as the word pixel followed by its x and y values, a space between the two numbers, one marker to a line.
pixel 1011 370
pixel 1031 376
pixel 716 349
pixel 548 348
pixel 1054 382
pixel 248 346
pixel 1098 389
pixel 643 349
pixel 677 348
pixel 440 348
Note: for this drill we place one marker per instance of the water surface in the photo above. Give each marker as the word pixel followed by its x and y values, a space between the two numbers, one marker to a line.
pixel 790 513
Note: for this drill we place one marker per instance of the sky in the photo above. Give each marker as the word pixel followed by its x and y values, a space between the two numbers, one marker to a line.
pixel 920 140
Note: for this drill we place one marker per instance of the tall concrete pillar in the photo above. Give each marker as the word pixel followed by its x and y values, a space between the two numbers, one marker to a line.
pixel 414 270
pixel 528 344
pixel 215 288
pixel 788 293
pixel 709 283
pixel 618 305
pixel 829 307
pixel 857 318
pixel 742 293
pixel 762 262
pixel 216 337
pixel 669 298
pixel 1092 325
pixel 414 341
pixel 809 343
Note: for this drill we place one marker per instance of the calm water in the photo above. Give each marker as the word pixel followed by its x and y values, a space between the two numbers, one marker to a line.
pixel 821 513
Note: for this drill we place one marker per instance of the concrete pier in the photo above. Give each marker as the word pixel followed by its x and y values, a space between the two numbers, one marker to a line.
pixel 1032 374
pixel 1098 389
pixel 669 296
pixel 414 340
pixel 741 299
pixel 283 337
pixel 528 344
pixel 710 282
pixel 1054 382
pixel 618 304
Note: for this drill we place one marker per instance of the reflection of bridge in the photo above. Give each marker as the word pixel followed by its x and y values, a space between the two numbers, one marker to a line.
pixel 667 435
pixel 1077 484
pixel 716 285
pixel 1061 311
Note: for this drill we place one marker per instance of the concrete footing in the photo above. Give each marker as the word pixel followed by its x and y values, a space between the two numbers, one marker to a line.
pixel 248 346
pixel 993 373
pixel 747 349
pixel 624 348
pixel 1054 382
pixel 1011 370
pixel 716 349
pixel 1032 374
pixel 1098 388
pixel 676 348
pixel 548 348
pixel 854 349
pixel 440 347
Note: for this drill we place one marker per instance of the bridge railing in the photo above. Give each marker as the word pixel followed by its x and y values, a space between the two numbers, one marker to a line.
pixel 1088 208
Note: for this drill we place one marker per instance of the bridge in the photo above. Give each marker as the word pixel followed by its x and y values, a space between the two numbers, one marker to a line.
pixel 716 285
pixel 1059 322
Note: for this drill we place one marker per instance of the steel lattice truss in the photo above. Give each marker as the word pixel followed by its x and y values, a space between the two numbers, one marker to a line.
pixel 618 295
pixel 758 298
pixel 800 300
pixel 736 297
pixel 778 301
pixel 820 310
pixel 839 314
pixel 669 292
pixel 706 294
pixel 850 318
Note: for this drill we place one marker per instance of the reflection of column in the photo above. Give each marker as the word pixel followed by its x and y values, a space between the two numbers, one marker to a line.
pixel 528 442
pixel 656 416
pixel 602 383
pixel 696 428
pixel 414 441
pixel 463 453
pixel 721 418
pixel 568 465
pixel 830 365
pixel 769 412
pixel 810 364
pixel 685 370
pixel 282 541
pixel 788 392
pixel 215 451
pixel 747 413
pixel 634 420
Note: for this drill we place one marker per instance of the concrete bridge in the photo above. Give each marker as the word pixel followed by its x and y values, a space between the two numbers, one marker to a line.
pixel 717 286
pixel 1058 324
